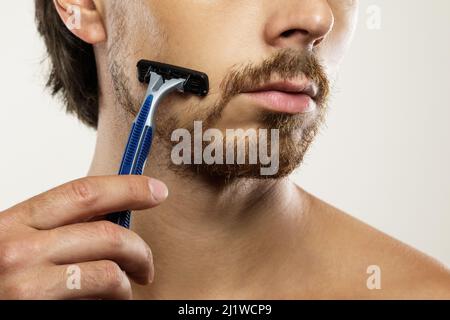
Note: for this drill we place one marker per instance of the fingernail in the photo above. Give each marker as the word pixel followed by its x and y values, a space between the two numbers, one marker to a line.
pixel 159 190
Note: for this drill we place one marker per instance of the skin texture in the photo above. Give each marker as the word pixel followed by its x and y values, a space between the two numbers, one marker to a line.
pixel 247 239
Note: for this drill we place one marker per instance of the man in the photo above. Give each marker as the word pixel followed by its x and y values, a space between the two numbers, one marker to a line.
pixel 226 231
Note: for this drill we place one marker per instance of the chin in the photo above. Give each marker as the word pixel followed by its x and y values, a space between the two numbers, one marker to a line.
pixel 282 163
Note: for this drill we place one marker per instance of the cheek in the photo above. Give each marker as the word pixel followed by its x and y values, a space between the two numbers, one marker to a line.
pixel 209 36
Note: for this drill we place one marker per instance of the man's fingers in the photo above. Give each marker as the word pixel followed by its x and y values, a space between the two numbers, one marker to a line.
pixel 83 199
pixel 97 280
pixel 91 280
pixel 102 240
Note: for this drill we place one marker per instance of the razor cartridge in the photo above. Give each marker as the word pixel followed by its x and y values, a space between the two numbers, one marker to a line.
pixel 196 83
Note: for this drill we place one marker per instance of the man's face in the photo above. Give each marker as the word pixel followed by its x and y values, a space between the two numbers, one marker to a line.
pixel 268 62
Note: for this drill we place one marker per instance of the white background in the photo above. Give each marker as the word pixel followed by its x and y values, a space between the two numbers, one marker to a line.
pixel 384 156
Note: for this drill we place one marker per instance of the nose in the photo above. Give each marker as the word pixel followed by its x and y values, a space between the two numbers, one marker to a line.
pixel 298 24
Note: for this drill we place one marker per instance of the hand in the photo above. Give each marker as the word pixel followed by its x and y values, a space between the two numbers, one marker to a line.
pixel 43 238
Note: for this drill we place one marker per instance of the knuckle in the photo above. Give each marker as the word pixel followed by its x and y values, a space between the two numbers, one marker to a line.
pixel 112 232
pixel 10 256
pixel 83 192
pixel 34 207
pixel 7 221
pixel 113 274
pixel 115 279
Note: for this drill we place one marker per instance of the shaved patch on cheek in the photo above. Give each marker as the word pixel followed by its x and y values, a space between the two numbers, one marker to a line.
pixel 133 34
pixel 135 30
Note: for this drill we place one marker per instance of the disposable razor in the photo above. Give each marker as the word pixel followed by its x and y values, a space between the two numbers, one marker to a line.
pixel 162 79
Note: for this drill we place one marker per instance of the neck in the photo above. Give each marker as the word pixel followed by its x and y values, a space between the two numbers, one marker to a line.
pixel 204 236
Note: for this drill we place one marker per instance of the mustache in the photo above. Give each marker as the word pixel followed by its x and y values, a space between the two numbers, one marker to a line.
pixel 286 64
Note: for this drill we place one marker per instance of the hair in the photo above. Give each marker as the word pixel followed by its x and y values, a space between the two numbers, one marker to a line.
pixel 73 73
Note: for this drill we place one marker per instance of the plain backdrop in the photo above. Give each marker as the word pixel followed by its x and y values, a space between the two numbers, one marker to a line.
pixel 384 156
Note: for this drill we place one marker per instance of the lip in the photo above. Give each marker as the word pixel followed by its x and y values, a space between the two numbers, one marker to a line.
pixel 293 97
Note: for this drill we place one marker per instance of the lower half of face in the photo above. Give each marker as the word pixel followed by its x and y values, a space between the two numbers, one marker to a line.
pixel 267 101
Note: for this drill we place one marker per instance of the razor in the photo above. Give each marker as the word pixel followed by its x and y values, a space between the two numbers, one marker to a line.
pixel 162 79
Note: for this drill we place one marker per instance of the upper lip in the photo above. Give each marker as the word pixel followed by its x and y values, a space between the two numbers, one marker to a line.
pixel 288 86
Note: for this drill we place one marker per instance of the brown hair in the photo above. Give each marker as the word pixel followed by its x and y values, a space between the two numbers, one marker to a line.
pixel 73 74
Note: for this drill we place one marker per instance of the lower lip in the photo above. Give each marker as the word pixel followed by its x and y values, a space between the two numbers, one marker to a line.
pixel 293 103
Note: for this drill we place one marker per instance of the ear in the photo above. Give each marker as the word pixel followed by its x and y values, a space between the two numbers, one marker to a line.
pixel 82 18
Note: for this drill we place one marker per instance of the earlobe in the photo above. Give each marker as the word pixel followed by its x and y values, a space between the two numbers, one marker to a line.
pixel 82 18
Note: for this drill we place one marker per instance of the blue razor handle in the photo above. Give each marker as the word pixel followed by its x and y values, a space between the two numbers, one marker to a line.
pixel 141 136
pixel 135 156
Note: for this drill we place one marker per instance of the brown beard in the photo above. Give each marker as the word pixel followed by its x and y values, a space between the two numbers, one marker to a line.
pixel 296 132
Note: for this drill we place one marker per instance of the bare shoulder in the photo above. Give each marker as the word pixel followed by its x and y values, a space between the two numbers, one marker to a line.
pixel 364 263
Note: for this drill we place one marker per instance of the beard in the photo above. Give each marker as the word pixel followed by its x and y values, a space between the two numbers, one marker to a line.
pixel 296 132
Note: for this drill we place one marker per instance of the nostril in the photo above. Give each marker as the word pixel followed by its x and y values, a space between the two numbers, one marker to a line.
pixel 287 33
pixel 291 32
pixel 318 41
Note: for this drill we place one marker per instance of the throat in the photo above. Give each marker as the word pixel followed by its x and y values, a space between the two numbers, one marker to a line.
pixel 214 245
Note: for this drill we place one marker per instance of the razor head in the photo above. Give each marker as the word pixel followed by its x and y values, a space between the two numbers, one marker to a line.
pixel 196 82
